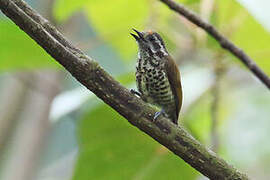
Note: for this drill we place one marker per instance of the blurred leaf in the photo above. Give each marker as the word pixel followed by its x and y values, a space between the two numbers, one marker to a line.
pixel 114 20
pixel 127 78
pixel 198 120
pixel 75 99
pixel 259 9
pixel 189 1
pixel 254 39
pixel 240 27
pixel 111 148
pixel 63 9
pixel 20 51
pixel 247 128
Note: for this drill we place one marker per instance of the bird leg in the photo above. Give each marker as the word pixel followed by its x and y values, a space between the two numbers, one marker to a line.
pixel 157 114
pixel 133 91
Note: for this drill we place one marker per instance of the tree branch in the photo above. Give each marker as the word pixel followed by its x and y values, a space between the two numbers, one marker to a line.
pixel 219 69
pixel 138 113
pixel 223 41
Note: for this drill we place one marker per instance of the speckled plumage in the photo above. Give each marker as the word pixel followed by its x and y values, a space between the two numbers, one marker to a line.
pixel 152 75
pixel 152 82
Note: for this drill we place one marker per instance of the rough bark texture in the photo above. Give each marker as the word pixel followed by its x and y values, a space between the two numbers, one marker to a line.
pixel 224 42
pixel 92 76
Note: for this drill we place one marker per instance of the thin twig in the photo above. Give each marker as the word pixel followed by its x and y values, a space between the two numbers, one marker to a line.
pixel 138 113
pixel 219 70
pixel 12 99
pixel 31 131
pixel 214 115
pixel 223 41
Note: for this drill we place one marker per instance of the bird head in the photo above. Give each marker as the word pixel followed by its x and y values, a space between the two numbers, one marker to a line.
pixel 150 42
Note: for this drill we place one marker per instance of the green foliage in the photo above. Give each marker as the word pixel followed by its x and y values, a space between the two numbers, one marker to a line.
pixel 20 51
pixel 113 20
pixel 111 148
pixel 63 9
pixel 254 39
pixel 126 78
pixel 189 1
pixel 239 26
pixel 198 120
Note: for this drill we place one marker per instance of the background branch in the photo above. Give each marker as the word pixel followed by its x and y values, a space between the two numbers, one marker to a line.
pixel 223 41
pixel 219 71
pixel 138 113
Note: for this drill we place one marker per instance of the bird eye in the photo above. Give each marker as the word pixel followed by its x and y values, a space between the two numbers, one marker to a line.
pixel 151 38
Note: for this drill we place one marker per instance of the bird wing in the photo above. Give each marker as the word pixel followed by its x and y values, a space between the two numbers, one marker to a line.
pixel 175 82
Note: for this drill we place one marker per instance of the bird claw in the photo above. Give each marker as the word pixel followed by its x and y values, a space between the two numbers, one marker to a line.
pixel 157 114
pixel 133 91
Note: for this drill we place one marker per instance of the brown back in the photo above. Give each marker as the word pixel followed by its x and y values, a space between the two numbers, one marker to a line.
pixel 175 82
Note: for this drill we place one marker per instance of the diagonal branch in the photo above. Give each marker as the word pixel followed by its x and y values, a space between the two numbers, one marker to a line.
pixel 223 41
pixel 138 113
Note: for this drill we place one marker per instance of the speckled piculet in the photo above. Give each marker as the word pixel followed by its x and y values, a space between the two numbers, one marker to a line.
pixel 157 75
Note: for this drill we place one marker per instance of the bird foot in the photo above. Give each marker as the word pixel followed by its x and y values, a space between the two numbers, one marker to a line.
pixel 157 114
pixel 133 91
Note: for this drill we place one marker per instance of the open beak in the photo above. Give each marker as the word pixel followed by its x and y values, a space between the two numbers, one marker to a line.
pixel 139 35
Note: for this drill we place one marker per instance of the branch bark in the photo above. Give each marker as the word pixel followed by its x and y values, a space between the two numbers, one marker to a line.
pixel 91 75
pixel 222 40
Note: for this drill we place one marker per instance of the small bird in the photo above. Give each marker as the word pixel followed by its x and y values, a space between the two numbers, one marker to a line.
pixel 157 75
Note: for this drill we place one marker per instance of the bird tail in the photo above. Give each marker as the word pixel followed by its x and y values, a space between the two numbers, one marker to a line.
pixel 174 118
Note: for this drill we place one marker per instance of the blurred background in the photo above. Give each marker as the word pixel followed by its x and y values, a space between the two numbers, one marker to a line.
pixel 52 128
